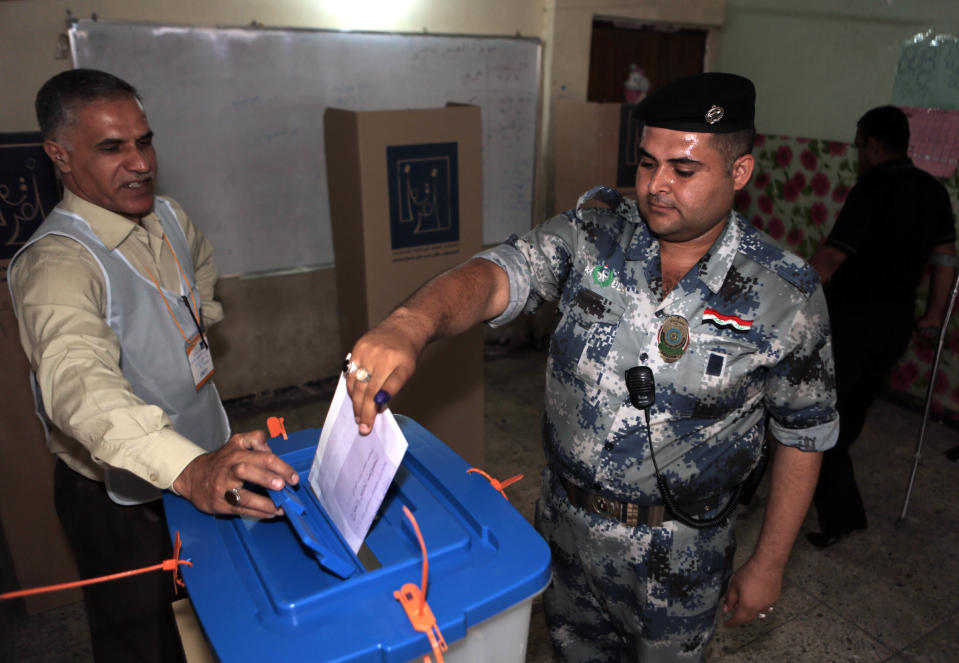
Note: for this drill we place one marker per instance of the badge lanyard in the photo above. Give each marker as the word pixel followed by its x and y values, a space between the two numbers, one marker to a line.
pixel 197 349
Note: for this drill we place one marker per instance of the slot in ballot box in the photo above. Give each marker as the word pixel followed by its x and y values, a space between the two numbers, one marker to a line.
pixel 261 593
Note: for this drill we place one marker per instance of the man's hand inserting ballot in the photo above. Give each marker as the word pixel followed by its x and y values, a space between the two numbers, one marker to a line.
pixel 382 361
pixel 213 482
pixel 385 358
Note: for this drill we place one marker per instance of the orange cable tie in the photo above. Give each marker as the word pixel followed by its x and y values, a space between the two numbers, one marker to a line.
pixel 498 485
pixel 413 600
pixel 276 427
pixel 167 565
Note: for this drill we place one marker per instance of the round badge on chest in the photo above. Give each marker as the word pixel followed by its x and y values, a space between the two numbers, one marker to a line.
pixel 673 338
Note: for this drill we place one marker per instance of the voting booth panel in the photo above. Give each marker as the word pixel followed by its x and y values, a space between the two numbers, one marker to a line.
pixel 261 593
pixel 29 189
pixel 596 143
pixel 406 203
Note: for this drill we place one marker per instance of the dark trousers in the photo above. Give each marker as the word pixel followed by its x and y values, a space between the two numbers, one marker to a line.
pixel 865 352
pixel 130 619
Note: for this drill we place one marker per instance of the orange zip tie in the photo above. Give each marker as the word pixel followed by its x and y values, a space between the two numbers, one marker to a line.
pixel 500 486
pixel 167 565
pixel 413 600
pixel 276 427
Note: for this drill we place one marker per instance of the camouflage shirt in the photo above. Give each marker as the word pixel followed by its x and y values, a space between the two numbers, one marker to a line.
pixel 758 343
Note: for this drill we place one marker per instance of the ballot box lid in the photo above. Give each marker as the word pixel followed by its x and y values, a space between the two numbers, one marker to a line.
pixel 261 593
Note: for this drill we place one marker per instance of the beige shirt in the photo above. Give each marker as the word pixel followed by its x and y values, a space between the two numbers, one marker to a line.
pixel 61 312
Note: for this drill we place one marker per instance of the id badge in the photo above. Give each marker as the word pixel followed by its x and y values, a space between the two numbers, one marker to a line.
pixel 201 361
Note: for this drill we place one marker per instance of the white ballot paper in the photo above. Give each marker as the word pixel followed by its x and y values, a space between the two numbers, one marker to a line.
pixel 351 472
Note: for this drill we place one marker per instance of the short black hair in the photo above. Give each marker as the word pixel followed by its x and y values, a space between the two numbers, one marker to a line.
pixel 60 97
pixel 888 125
pixel 734 145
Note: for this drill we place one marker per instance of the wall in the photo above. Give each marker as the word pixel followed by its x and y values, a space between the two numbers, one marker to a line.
pixel 819 64
pixel 573 28
pixel 29 28
pixel 568 34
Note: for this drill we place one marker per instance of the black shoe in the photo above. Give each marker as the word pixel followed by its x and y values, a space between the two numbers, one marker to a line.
pixel 822 540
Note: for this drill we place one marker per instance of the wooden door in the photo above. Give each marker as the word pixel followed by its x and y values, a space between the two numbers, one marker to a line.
pixel 664 53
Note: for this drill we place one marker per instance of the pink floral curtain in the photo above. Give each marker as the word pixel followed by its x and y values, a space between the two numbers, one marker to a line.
pixel 797 190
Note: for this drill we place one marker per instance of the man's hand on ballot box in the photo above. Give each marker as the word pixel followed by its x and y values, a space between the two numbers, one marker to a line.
pixel 213 481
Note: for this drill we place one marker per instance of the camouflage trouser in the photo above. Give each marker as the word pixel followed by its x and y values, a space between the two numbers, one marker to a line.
pixel 619 593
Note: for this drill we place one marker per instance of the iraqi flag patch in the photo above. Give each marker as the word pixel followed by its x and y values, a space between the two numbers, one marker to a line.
pixel 722 320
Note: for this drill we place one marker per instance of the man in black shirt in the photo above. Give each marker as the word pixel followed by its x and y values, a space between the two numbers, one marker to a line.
pixel 896 219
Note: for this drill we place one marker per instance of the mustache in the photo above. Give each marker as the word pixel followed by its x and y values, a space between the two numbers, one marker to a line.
pixel 659 201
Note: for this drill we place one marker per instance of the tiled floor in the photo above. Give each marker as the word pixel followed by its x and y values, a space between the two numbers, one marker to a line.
pixel 885 594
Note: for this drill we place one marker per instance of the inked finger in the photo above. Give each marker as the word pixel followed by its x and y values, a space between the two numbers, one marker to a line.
pixel 390 387
pixel 378 394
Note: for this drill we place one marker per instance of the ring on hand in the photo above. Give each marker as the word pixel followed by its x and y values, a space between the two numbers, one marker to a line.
pixel 762 615
pixel 349 366
pixel 363 375
pixel 232 496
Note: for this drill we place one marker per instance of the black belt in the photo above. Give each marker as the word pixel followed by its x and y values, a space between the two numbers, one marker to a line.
pixel 629 514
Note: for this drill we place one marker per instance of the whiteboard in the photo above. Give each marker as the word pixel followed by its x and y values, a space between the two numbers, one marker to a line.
pixel 238 118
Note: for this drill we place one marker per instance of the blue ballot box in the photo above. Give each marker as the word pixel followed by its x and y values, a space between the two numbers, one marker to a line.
pixel 292 589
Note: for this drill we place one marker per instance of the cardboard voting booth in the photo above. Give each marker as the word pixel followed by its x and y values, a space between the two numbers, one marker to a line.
pixel 264 592
pixel 29 190
pixel 406 203
pixel 596 143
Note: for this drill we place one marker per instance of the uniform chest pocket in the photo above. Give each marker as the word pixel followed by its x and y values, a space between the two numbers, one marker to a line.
pixel 585 332
pixel 718 373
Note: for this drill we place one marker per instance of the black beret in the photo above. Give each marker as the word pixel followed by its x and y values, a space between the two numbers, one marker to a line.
pixel 714 103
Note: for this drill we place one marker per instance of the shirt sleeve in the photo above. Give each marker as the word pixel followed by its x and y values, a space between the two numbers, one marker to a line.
pixel 852 226
pixel 537 264
pixel 801 388
pixel 204 266
pixel 60 298
pixel 945 229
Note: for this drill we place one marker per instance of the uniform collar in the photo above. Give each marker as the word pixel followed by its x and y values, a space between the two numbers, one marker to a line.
pixel 110 227
pixel 721 254
pixel 718 259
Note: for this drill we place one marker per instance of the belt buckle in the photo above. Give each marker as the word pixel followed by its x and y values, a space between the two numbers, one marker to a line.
pixel 604 506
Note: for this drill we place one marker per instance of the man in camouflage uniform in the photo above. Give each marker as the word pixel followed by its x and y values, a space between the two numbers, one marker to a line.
pixel 732 329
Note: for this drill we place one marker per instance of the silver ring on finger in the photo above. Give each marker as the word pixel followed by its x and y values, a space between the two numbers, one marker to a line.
pixel 363 375
pixel 232 496
pixel 349 366
pixel 762 615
